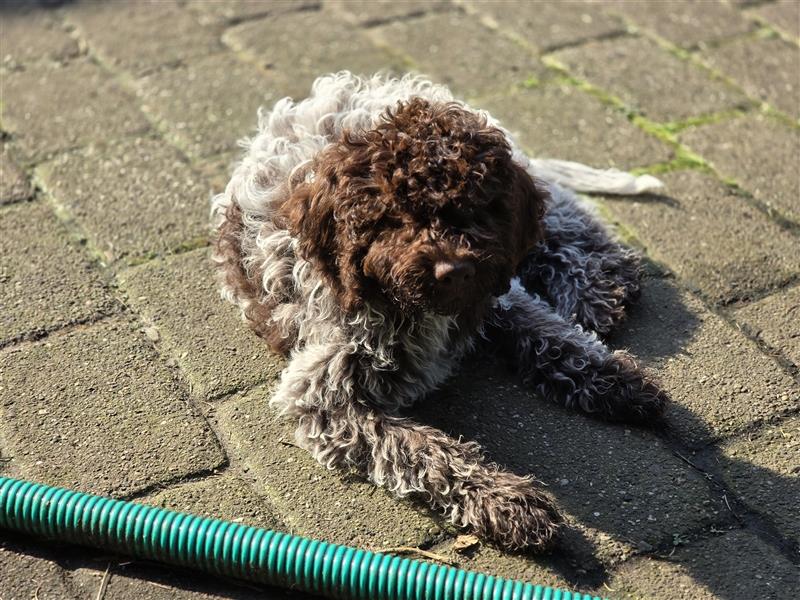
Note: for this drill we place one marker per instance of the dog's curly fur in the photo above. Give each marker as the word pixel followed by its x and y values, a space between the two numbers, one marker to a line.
pixel 340 236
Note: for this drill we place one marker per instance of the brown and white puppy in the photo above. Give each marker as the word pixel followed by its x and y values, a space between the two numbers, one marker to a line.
pixel 373 233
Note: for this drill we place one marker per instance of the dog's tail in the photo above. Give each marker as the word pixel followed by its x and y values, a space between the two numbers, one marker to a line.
pixel 581 178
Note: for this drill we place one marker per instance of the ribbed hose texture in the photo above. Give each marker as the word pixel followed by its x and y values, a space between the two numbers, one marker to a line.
pixel 250 553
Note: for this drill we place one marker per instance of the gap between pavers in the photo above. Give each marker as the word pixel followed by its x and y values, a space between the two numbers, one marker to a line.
pixel 479 62
pixel 47 109
pixel 178 298
pixel 133 197
pixel 713 239
pixel 46 282
pixel 757 151
pixel 774 320
pixel 720 381
pixel 273 44
pixel 735 565
pixel 557 120
pixel 762 467
pixel 94 409
pixel 649 79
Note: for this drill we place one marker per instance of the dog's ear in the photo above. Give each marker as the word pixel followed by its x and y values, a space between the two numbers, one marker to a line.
pixel 310 215
pixel 528 199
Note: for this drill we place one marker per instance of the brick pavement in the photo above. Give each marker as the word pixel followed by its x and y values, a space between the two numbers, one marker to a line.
pixel 121 370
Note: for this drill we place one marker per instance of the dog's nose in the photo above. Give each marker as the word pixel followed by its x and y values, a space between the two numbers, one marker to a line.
pixel 452 273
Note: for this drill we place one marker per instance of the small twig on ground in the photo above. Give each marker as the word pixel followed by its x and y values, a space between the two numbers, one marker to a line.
pixel 101 592
pixel 285 443
pixel 424 553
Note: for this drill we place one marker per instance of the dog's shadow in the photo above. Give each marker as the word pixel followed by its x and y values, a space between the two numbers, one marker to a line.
pixel 624 490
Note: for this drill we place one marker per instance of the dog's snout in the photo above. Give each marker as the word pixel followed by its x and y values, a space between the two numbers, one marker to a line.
pixel 453 273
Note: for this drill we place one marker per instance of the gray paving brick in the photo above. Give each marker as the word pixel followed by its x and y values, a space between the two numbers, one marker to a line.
pixel 233 11
pixel 762 469
pixel 135 580
pixel 201 333
pixel 622 484
pixel 719 380
pixel 133 197
pixel 45 281
pixel 758 152
pixel 24 576
pixel 140 36
pixel 87 106
pixel 560 121
pixel 272 43
pixel 735 565
pixel 649 79
pixel 549 25
pixel 784 15
pixel 710 237
pixel 765 68
pixel 222 496
pixel 487 559
pixel 93 409
pixel 14 184
pixel 680 21
pixel 30 35
pixel 312 500
pixel 374 12
pixel 477 63
pixel 206 106
pixel 775 320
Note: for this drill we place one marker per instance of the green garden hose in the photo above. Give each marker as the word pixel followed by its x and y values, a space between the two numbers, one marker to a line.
pixel 251 553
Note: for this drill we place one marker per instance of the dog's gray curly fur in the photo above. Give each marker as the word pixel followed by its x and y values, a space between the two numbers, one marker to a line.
pixel 349 374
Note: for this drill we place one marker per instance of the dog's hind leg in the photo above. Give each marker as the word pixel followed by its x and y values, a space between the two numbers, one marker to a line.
pixel 579 268
pixel 571 366
pixel 341 429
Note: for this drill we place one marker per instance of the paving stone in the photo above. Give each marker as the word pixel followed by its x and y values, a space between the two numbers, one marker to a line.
pixel 549 25
pixel 205 107
pixel 649 79
pixel 760 153
pixel 203 334
pixel 480 62
pixel 217 497
pixel 775 320
pixel 617 481
pixel 140 36
pixel 31 35
pixel 88 106
pixel 560 121
pixel 133 197
pixel 762 468
pixel 374 12
pixel 784 15
pixel 734 565
pixel 765 68
pixel 680 21
pixel 312 500
pixel 234 11
pixel 25 576
pixel 45 281
pixel 486 559
pixel 719 380
pixel 272 43
pixel 14 184
pixel 93 409
pixel 710 237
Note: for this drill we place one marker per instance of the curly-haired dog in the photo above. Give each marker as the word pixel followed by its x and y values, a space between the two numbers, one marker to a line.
pixel 379 229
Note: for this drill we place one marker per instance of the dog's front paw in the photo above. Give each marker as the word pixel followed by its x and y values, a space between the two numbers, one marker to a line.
pixel 632 397
pixel 511 512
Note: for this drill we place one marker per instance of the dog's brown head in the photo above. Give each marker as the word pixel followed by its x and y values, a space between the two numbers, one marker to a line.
pixel 426 211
